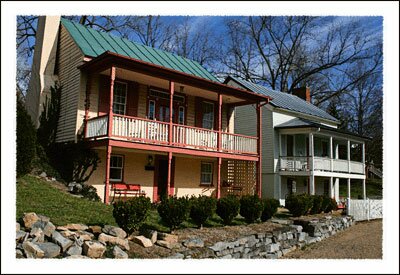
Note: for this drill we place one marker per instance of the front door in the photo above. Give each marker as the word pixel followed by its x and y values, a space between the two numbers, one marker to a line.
pixel 161 176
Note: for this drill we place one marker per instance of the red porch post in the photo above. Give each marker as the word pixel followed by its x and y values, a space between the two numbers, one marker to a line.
pixel 219 121
pixel 110 112
pixel 171 106
pixel 169 173
pixel 87 100
pixel 259 149
pixel 107 184
pixel 219 178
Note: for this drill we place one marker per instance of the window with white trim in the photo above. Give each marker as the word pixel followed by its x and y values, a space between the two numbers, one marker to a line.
pixel 181 115
pixel 206 173
pixel 116 168
pixel 119 99
pixel 208 115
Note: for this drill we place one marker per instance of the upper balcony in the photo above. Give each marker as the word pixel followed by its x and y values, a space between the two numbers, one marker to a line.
pixel 143 130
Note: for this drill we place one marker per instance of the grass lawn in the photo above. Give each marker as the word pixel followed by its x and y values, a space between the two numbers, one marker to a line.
pixel 36 195
pixel 41 197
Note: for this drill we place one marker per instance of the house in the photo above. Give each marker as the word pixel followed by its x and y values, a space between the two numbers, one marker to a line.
pixel 303 149
pixel 157 120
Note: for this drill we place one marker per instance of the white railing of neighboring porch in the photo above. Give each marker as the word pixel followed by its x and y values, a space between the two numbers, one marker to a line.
pixel 322 164
pixel 356 167
pixel 340 165
pixel 97 127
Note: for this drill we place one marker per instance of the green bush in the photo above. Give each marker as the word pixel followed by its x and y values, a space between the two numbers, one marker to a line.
pixel 270 206
pixel 251 208
pixel 328 204
pixel 298 205
pixel 26 140
pixel 174 211
pixel 228 208
pixel 316 204
pixel 130 214
pixel 89 192
pixel 202 208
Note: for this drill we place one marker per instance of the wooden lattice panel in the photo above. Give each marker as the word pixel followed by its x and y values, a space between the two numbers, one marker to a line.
pixel 241 177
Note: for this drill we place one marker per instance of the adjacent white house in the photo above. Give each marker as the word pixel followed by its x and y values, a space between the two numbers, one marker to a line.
pixel 303 149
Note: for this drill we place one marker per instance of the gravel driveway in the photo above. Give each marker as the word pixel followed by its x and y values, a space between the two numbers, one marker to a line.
pixel 361 241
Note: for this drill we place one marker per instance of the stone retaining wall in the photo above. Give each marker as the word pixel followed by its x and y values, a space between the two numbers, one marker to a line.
pixel 294 234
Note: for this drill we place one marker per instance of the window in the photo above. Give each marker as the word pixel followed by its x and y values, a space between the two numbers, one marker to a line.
pixel 289 145
pixel 116 167
pixel 181 115
pixel 119 100
pixel 152 108
pixel 324 148
pixel 208 115
pixel 206 173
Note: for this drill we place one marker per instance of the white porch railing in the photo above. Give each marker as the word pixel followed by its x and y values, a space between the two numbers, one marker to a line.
pixel 340 165
pixel 150 131
pixel 239 143
pixel 140 129
pixel 356 167
pixel 322 164
pixel 294 164
pixel 97 127
pixel 194 137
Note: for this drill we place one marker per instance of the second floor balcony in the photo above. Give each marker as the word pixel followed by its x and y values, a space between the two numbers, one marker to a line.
pixel 143 130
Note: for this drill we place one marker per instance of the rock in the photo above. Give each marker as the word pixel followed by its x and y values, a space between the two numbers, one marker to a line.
pixel 84 235
pixel 151 234
pixel 272 247
pixel 301 236
pixel 95 229
pixel 51 250
pixel 43 174
pixel 124 243
pixel 19 254
pixel 167 237
pixel 177 256
pixel 20 235
pixel 143 241
pixel 194 242
pixel 46 226
pixel 73 227
pixel 167 244
pixel 32 250
pixel 119 253
pixel 74 187
pixel 61 241
pixel 29 219
pixel 67 234
pixel 281 221
pixel 219 246
pixel 114 231
pixel 43 218
pixel 93 249
pixel 38 234
pixel 77 257
pixel 78 241
pixel 53 179
pixel 18 227
pixel 74 250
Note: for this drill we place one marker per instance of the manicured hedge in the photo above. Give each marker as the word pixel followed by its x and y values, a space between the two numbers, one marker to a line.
pixel 202 208
pixel 270 207
pixel 174 211
pixel 228 208
pixel 251 208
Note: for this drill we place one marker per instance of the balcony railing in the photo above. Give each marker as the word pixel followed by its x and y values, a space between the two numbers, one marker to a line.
pixel 320 164
pixel 149 131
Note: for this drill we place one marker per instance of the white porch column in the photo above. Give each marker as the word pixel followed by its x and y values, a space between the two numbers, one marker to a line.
pixel 279 187
pixel 363 156
pixel 348 155
pixel 331 188
pixel 311 150
pixel 348 195
pixel 364 189
pixel 336 187
pixel 331 151
pixel 312 185
pixel 280 152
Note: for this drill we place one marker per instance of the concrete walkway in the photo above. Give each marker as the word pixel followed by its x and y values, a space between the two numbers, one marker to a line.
pixel 361 241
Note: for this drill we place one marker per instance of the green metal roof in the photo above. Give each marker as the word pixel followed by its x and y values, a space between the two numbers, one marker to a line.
pixel 93 43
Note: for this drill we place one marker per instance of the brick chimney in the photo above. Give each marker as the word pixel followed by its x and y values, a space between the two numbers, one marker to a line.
pixel 44 59
pixel 302 92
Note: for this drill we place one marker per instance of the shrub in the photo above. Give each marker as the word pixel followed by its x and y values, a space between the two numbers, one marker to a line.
pixel 130 214
pixel 298 205
pixel 328 204
pixel 174 211
pixel 228 208
pixel 316 204
pixel 251 208
pixel 89 192
pixel 270 206
pixel 26 140
pixel 202 208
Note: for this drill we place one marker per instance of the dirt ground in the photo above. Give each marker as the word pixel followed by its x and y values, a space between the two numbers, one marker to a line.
pixel 361 241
